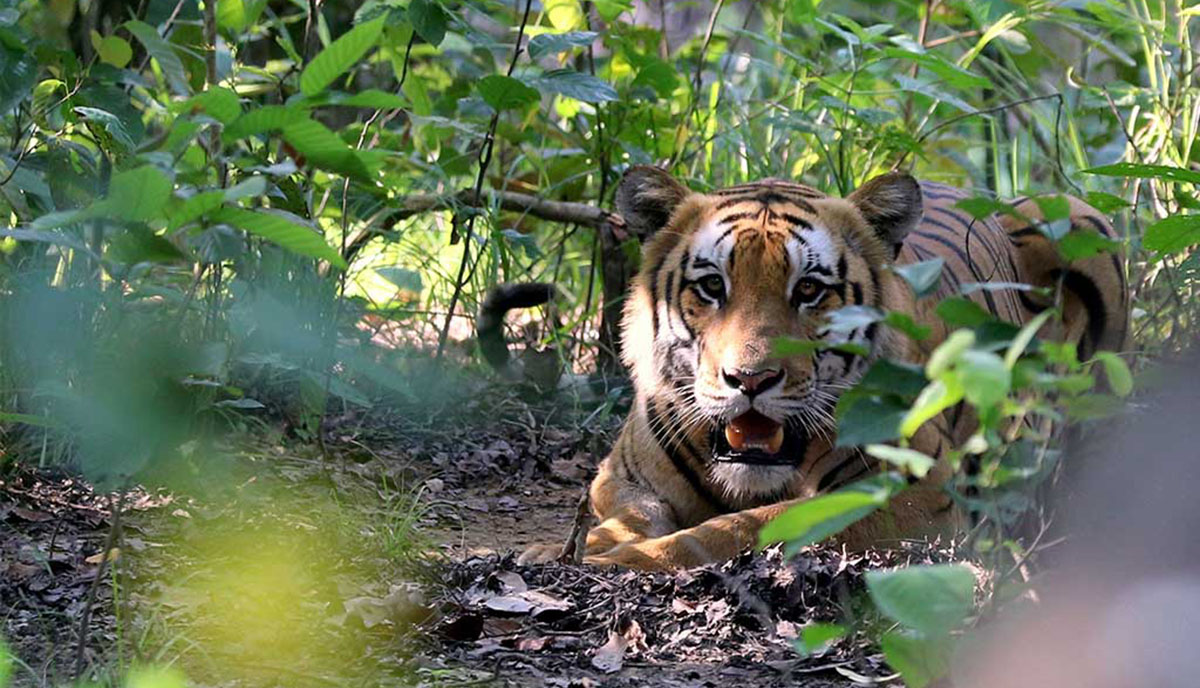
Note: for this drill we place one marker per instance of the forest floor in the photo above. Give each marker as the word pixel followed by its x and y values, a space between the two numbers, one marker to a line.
pixel 389 560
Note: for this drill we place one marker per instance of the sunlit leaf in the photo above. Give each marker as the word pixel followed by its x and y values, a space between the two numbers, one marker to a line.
pixel 813 520
pixel 1141 171
pixel 817 637
pixel 112 50
pixel 951 73
pixel 909 461
pixel 1173 234
pixel 231 15
pixel 339 56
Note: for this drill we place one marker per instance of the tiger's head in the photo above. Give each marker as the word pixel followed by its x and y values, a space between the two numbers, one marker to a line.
pixel 723 276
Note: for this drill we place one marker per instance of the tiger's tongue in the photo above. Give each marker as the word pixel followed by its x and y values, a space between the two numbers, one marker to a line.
pixel 753 430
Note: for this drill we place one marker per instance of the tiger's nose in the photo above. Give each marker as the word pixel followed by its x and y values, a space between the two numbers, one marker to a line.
pixel 752 382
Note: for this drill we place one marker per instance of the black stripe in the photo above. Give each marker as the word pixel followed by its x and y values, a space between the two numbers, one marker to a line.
pixel 1029 304
pixel 1093 302
pixel 661 436
pixel 734 217
pixel 796 220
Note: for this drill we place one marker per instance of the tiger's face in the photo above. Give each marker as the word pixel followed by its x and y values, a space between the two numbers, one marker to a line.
pixel 729 274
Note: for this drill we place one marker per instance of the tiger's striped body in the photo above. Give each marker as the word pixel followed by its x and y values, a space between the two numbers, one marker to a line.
pixel 724 436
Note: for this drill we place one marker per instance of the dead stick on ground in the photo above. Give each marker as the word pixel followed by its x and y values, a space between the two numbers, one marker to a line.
pixel 117 504
pixel 572 551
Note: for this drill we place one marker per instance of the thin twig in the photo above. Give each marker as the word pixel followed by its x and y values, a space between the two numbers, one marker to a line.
pixel 117 504
pixel 485 160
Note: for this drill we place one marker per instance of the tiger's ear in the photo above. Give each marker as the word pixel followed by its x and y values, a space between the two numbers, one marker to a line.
pixel 891 204
pixel 646 198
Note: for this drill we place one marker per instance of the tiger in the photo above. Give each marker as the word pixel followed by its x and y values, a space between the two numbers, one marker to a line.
pixel 724 435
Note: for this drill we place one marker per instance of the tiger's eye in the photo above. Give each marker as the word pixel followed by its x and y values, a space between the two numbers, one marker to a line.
pixel 713 287
pixel 807 290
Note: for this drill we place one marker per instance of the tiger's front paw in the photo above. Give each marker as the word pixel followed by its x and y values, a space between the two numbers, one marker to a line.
pixel 648 555
pixel 539 554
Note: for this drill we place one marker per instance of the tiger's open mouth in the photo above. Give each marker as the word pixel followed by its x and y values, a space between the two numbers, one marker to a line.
pixel 753 438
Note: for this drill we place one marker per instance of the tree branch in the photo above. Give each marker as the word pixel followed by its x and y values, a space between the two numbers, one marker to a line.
pixel 528 204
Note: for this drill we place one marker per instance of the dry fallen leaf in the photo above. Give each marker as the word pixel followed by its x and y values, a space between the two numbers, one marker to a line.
pixel 404 603
pixel 611 656
pixel 113 555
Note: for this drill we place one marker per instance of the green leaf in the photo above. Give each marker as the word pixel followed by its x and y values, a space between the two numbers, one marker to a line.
pixel 139 245
pixel 869 418
pixel 1085 243
pixel 958 311
pixel 903 322
pixel 658 75
pixel 506 93
pixel 111 123
pixel 1173 234
pixel 933 600
pixel 1116 370
pixel 948 352
pixel 609 10
pixel 1053 207
pixel 951 73
pixel 572 84
pixel 231 15
pixel 555 43
pixel 262 120
pixel 919 660
pixel 112 50
pixel 909 461
pixel 1139 171
pixel 371 98
pixel 219 103
pixel 193 208
pixel 982 208
pixel 1106 202
pixel 163 53
pixel 984 377
pixel 894 377
pixel 938 396
pixel 339 56
pixel 428 20
pixel 249 187
pixel 813 520
pixel 325 149
pixel 923 277
pixel 137 195
pixel 816 637
pixel 292 236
